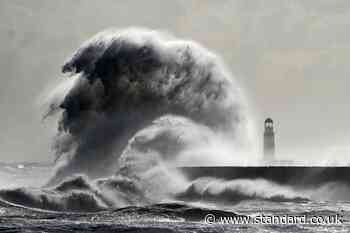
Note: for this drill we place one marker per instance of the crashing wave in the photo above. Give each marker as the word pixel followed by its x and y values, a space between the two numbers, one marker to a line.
pixel 125 80
pixel 232 191
pixel 72 195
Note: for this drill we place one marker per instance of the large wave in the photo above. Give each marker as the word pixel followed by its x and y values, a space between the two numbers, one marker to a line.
pixel 124 81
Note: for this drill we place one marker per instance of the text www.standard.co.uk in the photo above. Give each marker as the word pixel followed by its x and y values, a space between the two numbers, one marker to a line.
pixel 275 220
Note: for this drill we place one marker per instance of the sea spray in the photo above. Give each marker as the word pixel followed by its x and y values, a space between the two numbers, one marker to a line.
pixel 128 79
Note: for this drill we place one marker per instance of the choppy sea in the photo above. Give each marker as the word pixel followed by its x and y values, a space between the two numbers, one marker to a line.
pixel 162 217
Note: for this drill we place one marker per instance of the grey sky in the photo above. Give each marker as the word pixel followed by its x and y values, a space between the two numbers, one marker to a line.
pixel 291 57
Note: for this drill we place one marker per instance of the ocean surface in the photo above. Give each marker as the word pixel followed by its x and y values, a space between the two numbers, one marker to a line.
pixel 163 217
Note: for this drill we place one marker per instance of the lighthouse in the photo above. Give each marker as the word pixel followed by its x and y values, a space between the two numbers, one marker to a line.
pixel 269 140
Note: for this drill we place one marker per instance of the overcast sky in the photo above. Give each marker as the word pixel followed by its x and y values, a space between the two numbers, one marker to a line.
pixel 291 57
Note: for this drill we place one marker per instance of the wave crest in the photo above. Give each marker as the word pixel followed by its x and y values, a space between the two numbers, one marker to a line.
pixel 127 79
pixel 233 191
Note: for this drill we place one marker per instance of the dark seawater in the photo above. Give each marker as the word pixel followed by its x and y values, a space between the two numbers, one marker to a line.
pixel 164 217
pixel 167 218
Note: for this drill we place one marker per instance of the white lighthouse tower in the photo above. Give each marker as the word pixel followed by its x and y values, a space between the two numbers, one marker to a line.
pixel 269 141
